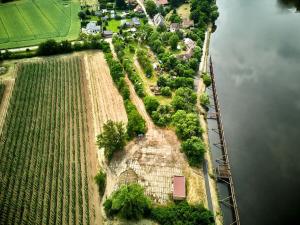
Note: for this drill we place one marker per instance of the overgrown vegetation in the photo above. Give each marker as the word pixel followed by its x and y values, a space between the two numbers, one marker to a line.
pixel 144 61
pixel 128 202
pixel 194 149
pixel 182 214
pixel 100 179
pixel 204 100
pixel 206 79
pixel 112 139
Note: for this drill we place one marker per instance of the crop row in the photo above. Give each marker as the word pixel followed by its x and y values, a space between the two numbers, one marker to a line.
pixel 43 170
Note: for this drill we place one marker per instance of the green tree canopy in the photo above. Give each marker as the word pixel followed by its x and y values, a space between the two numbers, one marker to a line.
pixel 100 179
pixel 173 41
pixel 184 99
pixel 129 202
pixel 151 8
pixel 206 79
pixel 151 104
pixel 112 139
pixel 194 149
pixel 186 124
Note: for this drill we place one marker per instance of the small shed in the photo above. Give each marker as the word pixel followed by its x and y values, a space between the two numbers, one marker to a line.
pixel 107 33
pixel 179 192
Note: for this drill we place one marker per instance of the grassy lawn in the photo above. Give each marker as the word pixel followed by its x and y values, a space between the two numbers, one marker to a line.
pixel 113 25
pixel 183 11
pixel 25 23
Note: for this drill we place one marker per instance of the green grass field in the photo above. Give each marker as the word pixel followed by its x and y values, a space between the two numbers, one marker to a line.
pixel 28 22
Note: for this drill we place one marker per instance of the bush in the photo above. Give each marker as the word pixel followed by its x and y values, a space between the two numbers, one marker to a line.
pixel 194 149
pixel 182 213
pixel 151 104
pixel 100 179
pixel 112 139
pixel 186 124
pixel 166 91
pixel 163 115
pixel 129 202
pixel 2 88
pixel 206 79
pixel 204 100
pixel 144 61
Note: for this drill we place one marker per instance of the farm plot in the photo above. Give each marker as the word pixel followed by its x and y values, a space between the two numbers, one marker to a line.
pixel 28 22
pixel 44 171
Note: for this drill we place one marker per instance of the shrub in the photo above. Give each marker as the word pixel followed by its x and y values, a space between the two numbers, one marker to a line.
pixel 129 202
pixel 204 100
pixel 112 139
pixel 166 91
pixel 162 116
pixel 144 61
pixel 182 213
pixel 194 149
pixel 186 124
pixel 206 79
pixel 100 179
pixel 151 104
pixel 2 88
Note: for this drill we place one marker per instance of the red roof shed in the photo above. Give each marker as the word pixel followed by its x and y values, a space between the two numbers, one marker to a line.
pixel 179 188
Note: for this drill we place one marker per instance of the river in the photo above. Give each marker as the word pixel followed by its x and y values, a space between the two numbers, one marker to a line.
pixel 256 54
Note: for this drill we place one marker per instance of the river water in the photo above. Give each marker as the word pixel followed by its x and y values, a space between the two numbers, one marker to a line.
pixel 256 54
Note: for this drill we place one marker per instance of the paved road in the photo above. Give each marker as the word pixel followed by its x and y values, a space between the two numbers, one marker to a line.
pixel 208 194
pixel 141 3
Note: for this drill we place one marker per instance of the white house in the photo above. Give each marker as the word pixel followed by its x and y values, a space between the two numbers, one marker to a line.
pixel 189 43
pixel 92 28
pixel 174 27
pixel 158 20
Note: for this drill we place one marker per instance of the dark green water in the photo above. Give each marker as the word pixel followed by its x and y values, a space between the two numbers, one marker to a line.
pixel 256 54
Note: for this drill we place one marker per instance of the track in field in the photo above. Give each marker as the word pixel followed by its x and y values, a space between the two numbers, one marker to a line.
pixel 44 176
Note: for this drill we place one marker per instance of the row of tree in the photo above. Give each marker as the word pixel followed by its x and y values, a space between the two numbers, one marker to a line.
pixel 129 202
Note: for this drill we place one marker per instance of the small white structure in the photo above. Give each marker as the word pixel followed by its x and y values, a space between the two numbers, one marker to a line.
pixel 158 20
pixel 136 22
pixel 174 27
pixel 189 43
pixel 92 28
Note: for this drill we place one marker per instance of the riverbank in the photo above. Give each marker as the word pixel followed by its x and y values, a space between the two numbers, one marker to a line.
pixel 212 194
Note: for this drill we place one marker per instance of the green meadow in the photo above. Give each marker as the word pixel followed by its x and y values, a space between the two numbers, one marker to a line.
pixel 29 22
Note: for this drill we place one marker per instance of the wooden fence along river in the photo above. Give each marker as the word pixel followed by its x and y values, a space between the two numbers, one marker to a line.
pixel 223 167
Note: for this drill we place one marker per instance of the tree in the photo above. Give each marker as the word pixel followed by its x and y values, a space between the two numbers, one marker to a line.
pixel 186 124
pixel 173 42
pixel 175 18
pixel 166 91
pixel 184 99
pixel 100 179
pixel 112 139
pixel 82 15
pixel 151 104
pixel 50 47
pixel 206 79
pixel 120 4
pixel 136 124
pixel 66 46
pixel 194 149
pixel 151 8
pixel 129 202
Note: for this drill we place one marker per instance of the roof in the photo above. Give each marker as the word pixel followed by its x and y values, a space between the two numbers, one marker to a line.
pixel 158 19
pixel 179 187
pixel 162 2
pixel 174 26
pixel 107 32
pixel 189 43
pixel 92 26
pixel 187 23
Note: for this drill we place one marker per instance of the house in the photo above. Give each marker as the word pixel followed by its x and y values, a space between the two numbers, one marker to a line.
pixel 92 28
pixel 107 33
pixel 162 2
pixel 179 192
pixel 189 43
pixel 104 18
pixel 127 24
pixel 136 22
pixel 158 20
pixel 174 27
pixel 186 23
pixel 98 13
pixel 138 9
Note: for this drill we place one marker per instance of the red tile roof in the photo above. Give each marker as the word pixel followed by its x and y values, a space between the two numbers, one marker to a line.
pixel 179 187
pixel 162 2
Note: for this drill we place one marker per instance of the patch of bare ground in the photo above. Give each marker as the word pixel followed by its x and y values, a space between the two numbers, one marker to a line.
pixel 103 103
pixel 152 161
